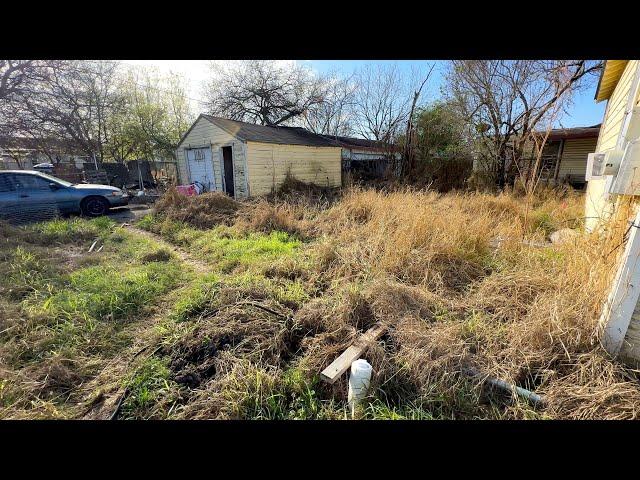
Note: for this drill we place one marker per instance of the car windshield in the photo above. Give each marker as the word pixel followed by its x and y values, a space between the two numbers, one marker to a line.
pixel 58 180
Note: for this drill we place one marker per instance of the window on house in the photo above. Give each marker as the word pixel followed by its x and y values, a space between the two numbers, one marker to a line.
pixel 549 158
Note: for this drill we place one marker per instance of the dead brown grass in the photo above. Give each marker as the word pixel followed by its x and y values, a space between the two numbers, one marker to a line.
pixel 293 190
pixel 202 211
pixel 264 216
pixel 426 266
pixel 422 263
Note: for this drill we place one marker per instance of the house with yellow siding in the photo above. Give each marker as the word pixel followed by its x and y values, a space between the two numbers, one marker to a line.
pixel 244 159
pixel 613 193
pixel 618 86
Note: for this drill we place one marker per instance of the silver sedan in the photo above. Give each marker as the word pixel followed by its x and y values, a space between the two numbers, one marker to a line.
pixel 26 192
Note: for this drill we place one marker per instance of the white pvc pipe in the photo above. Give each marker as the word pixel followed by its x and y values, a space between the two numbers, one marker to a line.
pixel 359 382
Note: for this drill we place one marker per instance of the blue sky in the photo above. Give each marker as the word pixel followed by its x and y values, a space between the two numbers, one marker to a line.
pixel 584 111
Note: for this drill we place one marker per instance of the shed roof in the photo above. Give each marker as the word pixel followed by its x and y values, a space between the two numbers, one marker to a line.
pixel 270 134
pixel 360 143
pixel 576 132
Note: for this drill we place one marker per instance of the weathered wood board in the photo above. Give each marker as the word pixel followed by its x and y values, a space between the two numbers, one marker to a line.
pixel 351 354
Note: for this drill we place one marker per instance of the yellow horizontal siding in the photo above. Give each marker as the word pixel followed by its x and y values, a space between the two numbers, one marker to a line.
pixel 598 203
pixel 574 156
pixel 614 115
pixel 268 165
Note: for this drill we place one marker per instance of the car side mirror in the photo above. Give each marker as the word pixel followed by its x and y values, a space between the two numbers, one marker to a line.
pixel 54 186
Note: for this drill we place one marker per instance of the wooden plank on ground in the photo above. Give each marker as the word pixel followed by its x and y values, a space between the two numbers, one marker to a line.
pixel 351 354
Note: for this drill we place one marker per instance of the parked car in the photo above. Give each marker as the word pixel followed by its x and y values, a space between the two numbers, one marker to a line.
pixel 26 193
pixel 43 167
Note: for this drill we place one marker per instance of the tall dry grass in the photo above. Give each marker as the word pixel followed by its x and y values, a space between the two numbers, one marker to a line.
pixel 429 266
pixel 425 265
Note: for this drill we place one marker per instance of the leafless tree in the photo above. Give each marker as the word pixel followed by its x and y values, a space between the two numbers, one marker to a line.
pixel 408 157
pixel 506 101
pixel 334 116
pixel 263 92
pixel 14 75
pixel 19 79
pixel 76 103
pixel 382 102
pixel 16 154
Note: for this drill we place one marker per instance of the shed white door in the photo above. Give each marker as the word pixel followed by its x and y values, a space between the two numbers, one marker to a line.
pixel 201 167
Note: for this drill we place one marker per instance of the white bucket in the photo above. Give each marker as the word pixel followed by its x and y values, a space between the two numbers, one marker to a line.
pixel 359 381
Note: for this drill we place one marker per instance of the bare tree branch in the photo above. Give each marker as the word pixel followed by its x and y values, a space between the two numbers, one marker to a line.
pixel 507 99
pixel 264 92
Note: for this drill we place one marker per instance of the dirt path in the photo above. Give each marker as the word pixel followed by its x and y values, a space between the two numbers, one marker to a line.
pixel 197 265
pixel 104 392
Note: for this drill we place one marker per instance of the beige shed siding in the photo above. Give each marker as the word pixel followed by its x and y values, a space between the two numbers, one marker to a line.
pixel 614 115
pixel 574 156
pixel 268 165
pixel 203 134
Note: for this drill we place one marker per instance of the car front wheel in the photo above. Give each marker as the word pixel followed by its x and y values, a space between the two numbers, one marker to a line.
pixel 94 206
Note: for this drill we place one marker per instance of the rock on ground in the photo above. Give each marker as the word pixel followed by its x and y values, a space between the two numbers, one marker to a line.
pixel 563 235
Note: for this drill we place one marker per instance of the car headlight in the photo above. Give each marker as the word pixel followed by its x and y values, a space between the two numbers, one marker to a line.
pixel 117 193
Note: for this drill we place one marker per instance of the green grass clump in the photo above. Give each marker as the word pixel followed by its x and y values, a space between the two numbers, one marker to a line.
pixel 543 221
pixel 130 247
pixel 72 230
pixel 221 245
pixel 179 233
pixel 196 299
pixel 147 222
pixel 23 272
pixel 303 402
pixel 104 291
pixel 248 250
pixel 255 393
pixel 378 410
pixel 146 386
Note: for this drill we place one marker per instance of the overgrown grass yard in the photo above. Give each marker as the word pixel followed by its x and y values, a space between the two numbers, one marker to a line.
pixel 284 286
pixel 65 312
